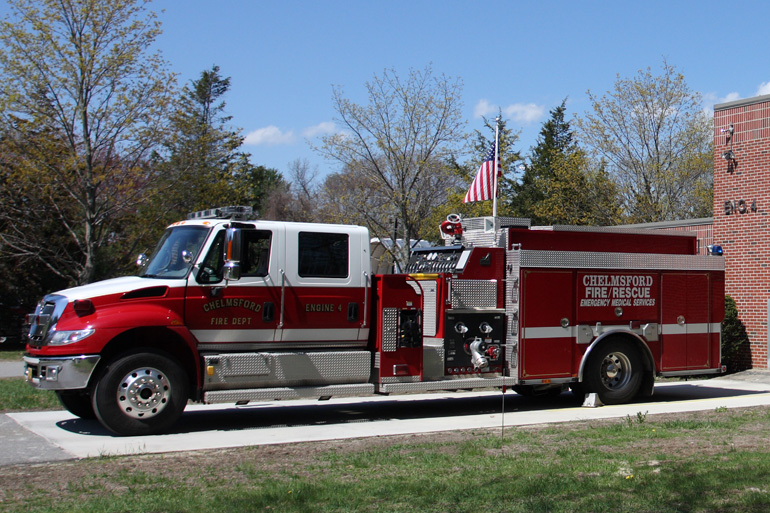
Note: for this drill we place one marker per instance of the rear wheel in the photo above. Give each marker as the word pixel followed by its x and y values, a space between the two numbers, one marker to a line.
pixel 77 402
pixel 614 371
pixel 140 394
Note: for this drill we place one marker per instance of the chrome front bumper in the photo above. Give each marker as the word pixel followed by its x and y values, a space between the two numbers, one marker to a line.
pixel 60 373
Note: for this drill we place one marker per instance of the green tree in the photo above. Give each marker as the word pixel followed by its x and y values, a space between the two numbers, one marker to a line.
pixel 81 72
pixel 203 163
pixel 257 184
pixel 201 159
pixel 298 199
pixel 559 184
pixel 736 349
pixel 397 148
pixel 555 142
pixel 575 194
pixel 30 268
pixel 657 143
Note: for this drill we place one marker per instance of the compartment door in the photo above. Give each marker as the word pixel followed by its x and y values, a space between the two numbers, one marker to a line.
pixel 686 322
pixel 547 347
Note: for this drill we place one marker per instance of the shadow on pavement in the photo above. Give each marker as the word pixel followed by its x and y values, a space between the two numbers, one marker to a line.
pixel 284 414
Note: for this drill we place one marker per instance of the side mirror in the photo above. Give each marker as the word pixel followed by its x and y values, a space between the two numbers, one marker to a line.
pixel 232 267
pixel 141 260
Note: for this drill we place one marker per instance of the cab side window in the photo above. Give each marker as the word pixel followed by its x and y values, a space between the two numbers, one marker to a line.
pixel 256 253
pixel 255 260
pixel 323 255
pixel 211 267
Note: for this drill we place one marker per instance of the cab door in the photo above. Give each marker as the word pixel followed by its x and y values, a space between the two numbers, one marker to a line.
pixel 242 314
pixel 323 289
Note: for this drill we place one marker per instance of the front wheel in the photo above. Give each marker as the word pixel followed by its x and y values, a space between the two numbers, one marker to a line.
pixel 77 402
pixel 614 371
pixel 140 394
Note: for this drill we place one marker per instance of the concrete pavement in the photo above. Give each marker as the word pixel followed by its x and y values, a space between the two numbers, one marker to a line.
pixel 57 435
pixel 12 369
pixel 19 444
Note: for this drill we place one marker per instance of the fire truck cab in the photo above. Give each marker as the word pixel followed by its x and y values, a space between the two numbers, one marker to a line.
pixel 229 309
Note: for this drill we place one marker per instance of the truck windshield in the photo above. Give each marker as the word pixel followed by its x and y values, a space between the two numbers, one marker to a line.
pixel 176 252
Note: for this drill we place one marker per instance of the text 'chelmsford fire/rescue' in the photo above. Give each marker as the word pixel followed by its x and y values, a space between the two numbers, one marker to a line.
pixel 617 290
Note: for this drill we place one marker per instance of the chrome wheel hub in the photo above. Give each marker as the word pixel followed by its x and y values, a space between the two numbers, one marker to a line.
pixel 144 393
pixel 615 371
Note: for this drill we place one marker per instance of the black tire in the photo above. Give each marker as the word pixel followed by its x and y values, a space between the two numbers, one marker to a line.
pixel 77 402
pixel 140 394
pixel 614 371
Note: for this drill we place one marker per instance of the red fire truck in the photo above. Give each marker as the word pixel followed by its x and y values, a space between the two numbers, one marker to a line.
pixel 229 310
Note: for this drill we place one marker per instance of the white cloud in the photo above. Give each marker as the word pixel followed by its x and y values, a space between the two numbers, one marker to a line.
pixel 325 128
pixel 523 113
pixel 711 99
pixel 483 108
pixel 763 89
pixel 269 136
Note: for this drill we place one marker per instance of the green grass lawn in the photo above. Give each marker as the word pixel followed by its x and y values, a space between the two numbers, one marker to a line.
pixel 715 461
pixel 11 355
pixel 17 395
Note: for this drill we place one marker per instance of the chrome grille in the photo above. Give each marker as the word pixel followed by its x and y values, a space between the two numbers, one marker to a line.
pixel 44 320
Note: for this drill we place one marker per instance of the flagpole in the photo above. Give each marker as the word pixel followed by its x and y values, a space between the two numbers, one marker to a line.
pixel 497 149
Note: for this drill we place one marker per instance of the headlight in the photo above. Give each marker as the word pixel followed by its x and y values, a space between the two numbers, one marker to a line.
pixel 61 338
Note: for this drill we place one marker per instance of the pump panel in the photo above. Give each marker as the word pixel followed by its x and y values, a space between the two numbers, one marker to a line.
pixel 474 342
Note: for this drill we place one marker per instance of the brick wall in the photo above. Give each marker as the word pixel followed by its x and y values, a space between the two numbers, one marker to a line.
pixel 741 206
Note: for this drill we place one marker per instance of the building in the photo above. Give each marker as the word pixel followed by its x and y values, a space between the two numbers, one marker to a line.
pixel 741 206
pixel 702 227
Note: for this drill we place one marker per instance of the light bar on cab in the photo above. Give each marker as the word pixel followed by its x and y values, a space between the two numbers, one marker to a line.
pixel 232 212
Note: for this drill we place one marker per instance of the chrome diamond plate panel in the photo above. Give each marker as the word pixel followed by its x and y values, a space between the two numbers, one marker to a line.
pixel 446 384
pixel 389 329
pixel 286 369
pixel 430 308
pixel 643 261
pixel 474 293
pixel 512 293
pixel 488 231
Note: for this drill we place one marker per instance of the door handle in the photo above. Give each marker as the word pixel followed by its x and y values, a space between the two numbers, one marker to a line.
pixel 268 312
pixel 352 312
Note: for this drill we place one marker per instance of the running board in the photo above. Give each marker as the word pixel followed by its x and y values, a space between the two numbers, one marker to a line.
pixel 448 384
pixel 272 394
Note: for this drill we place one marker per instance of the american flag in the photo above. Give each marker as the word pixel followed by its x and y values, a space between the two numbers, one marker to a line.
pixel 482 187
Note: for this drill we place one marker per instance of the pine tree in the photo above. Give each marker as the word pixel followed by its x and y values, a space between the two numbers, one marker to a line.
pixel 556 140
pixel 561 185
pixel 205 166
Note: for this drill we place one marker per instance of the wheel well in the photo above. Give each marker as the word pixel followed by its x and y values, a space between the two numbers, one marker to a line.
pixel 152 339
pixel 644 350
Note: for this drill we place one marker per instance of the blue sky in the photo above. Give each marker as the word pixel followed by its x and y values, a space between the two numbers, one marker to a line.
pixel 525 57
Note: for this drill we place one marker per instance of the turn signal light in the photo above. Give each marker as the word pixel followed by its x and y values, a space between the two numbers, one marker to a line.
pixel 83 307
